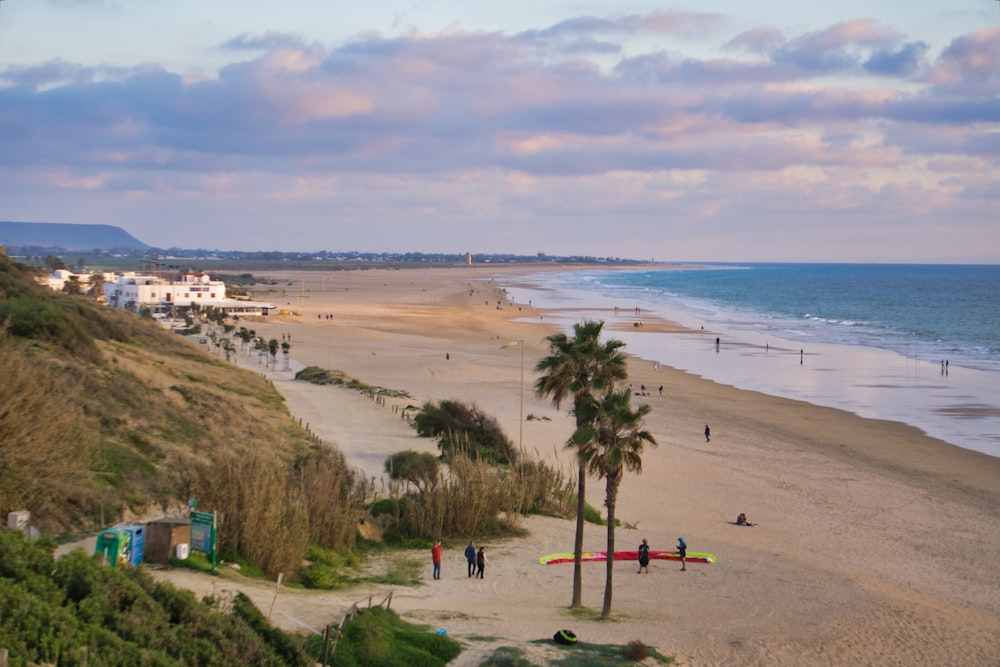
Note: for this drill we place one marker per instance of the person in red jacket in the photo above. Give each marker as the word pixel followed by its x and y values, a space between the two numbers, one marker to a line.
pixel 436 552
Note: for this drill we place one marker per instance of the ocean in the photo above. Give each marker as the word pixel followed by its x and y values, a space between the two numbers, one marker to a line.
pixel 918 344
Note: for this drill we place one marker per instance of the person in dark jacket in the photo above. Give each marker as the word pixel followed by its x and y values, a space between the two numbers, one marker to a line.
pixel 470 555
pixel 643 554
pixel 480 562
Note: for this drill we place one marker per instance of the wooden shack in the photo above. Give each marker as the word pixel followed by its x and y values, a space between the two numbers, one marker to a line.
pixel 163 536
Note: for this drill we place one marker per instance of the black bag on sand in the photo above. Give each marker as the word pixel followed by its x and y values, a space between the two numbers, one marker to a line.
pixel 565 637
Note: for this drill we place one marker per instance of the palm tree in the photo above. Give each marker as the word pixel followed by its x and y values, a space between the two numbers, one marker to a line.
pixel 577 367
pixel 611 441
pixel 272 348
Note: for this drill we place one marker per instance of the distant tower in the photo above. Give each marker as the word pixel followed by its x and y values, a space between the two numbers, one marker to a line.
pixel 468 259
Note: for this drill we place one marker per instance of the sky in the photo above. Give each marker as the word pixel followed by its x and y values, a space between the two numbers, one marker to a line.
pixel 749 130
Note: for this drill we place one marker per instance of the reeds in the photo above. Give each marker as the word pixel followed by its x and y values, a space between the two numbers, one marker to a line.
pixel 271 512
pixel 474 497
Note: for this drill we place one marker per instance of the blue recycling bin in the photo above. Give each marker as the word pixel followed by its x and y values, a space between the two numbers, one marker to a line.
pixel 137 534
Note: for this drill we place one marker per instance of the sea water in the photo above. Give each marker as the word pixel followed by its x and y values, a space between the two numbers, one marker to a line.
pixel 918 344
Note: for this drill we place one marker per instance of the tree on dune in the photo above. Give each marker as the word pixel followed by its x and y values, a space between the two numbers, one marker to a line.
pixel 578 366
pixel 611 441
pixel 96 290
pixel 73 286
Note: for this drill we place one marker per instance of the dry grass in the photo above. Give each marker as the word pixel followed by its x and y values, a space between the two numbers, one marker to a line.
pixel 474 497
pixel 47 446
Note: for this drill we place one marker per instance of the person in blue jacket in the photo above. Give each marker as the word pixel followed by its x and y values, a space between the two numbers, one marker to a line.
pixel 470 555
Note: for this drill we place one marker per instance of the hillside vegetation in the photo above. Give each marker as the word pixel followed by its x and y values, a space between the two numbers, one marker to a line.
pixel 103 412
pixel 74 611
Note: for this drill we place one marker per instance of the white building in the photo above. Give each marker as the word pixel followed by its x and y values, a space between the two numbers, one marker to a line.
pixel 134 291
pixel 57 280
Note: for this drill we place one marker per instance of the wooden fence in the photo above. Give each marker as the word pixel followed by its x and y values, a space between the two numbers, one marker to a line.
pixel 330 645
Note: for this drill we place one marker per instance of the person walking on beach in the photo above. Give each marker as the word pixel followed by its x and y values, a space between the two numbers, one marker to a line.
pixel 644 556
pixel 708 433
pixel 436 552
pixel 682 552
pixel 661 390
pixel 480 562
pixel 470 555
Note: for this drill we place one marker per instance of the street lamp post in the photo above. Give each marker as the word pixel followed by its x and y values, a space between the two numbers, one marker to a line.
pixel 520 435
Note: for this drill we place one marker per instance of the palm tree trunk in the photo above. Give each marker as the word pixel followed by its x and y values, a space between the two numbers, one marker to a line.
pixel 611 499
pixel 581 503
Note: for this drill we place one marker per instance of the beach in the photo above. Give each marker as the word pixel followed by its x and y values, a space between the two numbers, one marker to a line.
pixel 875 544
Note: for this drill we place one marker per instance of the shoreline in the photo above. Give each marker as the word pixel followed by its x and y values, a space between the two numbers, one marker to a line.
pixel 861 555
pixel 869 382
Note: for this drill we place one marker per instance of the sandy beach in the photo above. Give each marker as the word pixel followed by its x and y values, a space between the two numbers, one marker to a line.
pixel 876 544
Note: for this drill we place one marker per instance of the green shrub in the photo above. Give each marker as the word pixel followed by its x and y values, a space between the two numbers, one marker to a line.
pixel 457 425
pixel 43 320
pixel 322 576
pixel 418 468
pixel 289 651
pixel 378 636
pixel 593 515
pixel 76 611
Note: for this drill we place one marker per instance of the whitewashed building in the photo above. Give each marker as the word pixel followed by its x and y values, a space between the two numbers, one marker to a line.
pixel 57 280
pixel 134 291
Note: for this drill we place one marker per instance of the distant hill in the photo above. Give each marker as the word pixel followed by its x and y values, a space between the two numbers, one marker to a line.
pixel 66 236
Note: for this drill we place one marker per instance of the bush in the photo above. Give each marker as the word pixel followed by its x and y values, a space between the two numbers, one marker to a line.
pixel 593 515
pixel 635 651
pixel 418 468
pixel 460 426
pixel 378 636
pixel 326 570
pixel 77 610
pixel 45 321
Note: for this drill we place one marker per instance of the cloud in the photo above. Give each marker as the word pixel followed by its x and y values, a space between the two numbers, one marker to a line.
pixel 660 22
pixel 970 65
pixel 572 121
pixel 267 41
pixel 902 61
pixel 762 40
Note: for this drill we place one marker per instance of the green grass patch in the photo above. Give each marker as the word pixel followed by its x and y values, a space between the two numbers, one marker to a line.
pixel 196 561
pixel 121 465
pixel 593 515
pixel 378 636
pixel 404 572
pixel 317 375
pixel 340 569
pixel 329 569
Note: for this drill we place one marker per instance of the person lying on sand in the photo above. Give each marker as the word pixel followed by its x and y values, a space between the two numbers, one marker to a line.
pixel 741 520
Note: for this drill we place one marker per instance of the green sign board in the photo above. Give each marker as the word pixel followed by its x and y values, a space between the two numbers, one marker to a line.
pixel 203 533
